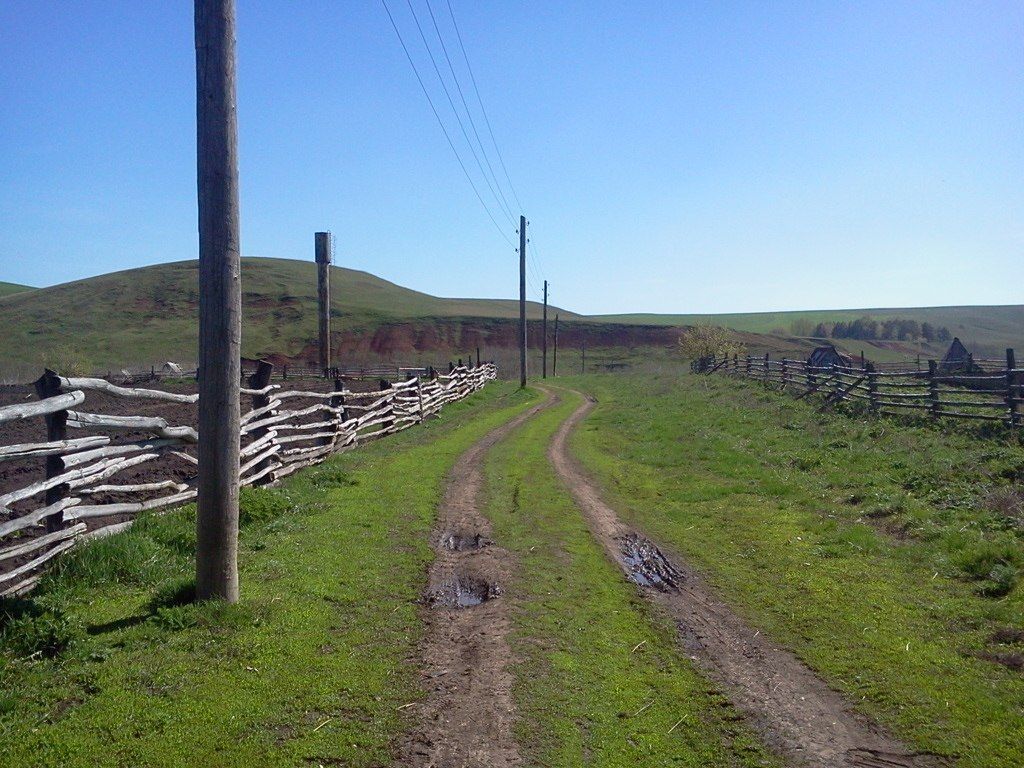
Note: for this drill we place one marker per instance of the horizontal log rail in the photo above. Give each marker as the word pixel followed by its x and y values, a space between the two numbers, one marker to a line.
pixel 939 390
pixel 277 441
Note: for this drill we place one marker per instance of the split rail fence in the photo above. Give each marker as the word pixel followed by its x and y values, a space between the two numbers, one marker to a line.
pixel 937 392
pixel 85 493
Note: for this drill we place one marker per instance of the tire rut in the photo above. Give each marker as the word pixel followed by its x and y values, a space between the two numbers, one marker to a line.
pixel 467 718
pixel 796 712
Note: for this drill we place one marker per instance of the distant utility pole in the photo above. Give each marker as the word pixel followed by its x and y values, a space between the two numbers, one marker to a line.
pixel 554 356
pixel 522 301
pixel 544 344
pixel 220 301
pixel 322 244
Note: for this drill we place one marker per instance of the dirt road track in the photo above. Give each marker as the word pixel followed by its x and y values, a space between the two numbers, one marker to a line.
pixel 467 719
pixel 796 713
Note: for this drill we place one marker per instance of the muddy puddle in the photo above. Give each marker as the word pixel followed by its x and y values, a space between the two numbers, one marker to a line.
pixel 463 592
pixel 463 542
pixel 647 566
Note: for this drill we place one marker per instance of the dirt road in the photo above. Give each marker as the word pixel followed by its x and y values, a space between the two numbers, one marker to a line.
pixel 795 711
pixel 467 719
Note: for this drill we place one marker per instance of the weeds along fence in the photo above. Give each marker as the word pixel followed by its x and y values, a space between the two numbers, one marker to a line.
pixel 936 392
pixel 95 484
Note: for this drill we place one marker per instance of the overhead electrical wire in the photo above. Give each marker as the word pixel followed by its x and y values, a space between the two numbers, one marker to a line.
pixel 487 120
pixel 469 113
pixel 444 128
pixel 451 103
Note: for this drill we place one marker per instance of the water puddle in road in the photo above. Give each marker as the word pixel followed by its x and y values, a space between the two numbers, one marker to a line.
pixel 463 592
pixel 647 566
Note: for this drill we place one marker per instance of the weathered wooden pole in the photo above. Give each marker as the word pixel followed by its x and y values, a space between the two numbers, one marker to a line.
pixel 554 352
pixel 522 301
pixel 1012 392
pixel 544 333
pixel 322 242
pixel 220 301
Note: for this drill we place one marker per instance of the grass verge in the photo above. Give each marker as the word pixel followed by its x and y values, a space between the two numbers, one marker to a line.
pixel 109 664
pixel 886 556
pixel 599 680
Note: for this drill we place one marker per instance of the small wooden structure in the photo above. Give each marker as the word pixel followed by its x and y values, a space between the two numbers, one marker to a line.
pixel 958 359
pixel 827 356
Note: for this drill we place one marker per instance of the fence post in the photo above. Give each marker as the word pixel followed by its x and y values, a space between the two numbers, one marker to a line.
pixel 1012 391
pixel 419 395
pixel 385 385
pixel 338 401
pixel 48 385
pixel 933 389
pixel 749 364
pixel 767 368
pixel 259 380
pixel 872 386
pixel 785 375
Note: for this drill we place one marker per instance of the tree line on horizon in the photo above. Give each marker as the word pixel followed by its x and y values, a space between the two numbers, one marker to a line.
pixel 867 328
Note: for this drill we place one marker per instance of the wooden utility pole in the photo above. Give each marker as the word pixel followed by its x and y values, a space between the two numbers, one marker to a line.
pixel 554 352
pixel 522 301
pixel 544 329
pixel 322 243
pixel 220 301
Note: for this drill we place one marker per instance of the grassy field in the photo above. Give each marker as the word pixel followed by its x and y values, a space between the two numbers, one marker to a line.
pixel 6 289
pixel 887 557
pixel 993 327
pixel 155 308
pixel 108 665
pixel 600 680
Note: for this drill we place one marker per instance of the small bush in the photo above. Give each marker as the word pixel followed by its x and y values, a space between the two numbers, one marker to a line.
pixel 995 566
pixel 261 505
pixel 48 633
pixel 332 477
pixel 176 592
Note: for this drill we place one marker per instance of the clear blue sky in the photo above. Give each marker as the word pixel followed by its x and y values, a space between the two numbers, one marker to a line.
pixel 671 156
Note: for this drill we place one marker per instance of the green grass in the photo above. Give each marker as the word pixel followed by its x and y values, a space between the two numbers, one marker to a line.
pixel 991 328
pixel 600 680
pixel 886 556
pixel 6 289
pixel 109 664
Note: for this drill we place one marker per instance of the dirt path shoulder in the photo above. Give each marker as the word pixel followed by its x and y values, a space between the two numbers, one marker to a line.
pixel 467 718
pixel 796 712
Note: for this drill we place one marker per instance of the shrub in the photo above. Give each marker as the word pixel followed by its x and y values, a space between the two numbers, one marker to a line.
pixel 995 566
pixel 46 632
pixel 261 505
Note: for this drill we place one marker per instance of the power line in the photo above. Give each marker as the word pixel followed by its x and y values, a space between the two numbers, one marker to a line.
pixel 487 120
pixel 469 113
pixel 444 129
pixel 451 103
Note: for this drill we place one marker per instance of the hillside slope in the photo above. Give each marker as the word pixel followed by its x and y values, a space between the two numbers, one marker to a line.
pixel 143 316
pixel 6 289
pixel 987 330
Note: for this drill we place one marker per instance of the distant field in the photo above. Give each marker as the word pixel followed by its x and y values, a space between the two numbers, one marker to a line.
pixel 6 289
pixel 989 329
pixel 141 317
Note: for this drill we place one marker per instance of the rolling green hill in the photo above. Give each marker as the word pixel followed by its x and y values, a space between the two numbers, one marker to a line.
pixel 986 330
pixel 6 289
pixel 144 316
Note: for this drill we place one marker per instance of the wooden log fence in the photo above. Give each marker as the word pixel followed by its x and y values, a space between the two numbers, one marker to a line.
pixel 79 497
pixel 994 395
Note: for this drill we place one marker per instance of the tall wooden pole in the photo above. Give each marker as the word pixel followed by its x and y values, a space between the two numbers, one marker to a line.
pixel 522 301
pixel 544 329
pixel 554 352
pixel 583 361
pixel 220 302
pixel 322 244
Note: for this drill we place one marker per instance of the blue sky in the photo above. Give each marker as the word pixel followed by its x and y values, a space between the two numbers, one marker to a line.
pixel 671 156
